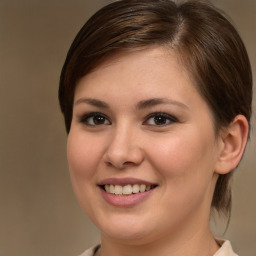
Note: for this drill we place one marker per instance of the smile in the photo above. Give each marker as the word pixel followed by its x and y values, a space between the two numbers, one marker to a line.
pixel 128 189
pixel 126 192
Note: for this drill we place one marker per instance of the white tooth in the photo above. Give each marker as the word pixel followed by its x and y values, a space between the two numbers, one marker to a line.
pixel 148 188
pixel 136 188
pixel 107 188
pixel 112 189
pixel 118 190
pixel 127 190
pixel 142 188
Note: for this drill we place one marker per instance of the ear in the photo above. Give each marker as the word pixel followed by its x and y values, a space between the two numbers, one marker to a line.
pixel 233 142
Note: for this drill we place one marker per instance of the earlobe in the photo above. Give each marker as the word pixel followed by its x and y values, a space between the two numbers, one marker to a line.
pixel 233 140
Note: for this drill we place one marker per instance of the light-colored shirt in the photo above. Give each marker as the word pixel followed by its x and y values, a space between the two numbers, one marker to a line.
pixel 225 249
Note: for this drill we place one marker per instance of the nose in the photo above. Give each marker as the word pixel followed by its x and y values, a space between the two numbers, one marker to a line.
pixel 124 149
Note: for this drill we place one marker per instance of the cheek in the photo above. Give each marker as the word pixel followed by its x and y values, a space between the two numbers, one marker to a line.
pixel 83 157
pixel 185 166
pixel 183 155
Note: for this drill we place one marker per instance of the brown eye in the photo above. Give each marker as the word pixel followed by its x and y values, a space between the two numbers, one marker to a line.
pixel 94 119
pixel 98 120
pixel 160 119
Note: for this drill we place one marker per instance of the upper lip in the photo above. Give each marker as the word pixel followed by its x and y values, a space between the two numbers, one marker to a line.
pixel 124 181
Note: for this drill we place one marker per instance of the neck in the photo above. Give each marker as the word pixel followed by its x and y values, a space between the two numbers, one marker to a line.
pixel 200 243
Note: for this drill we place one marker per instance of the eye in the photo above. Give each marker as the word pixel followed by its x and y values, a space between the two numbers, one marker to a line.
pixel 160 119
pixel 95 119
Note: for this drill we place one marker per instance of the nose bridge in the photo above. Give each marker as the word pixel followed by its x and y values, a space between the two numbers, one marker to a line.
pixel 123 147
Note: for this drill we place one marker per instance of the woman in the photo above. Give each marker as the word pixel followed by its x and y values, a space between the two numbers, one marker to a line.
pixel 157 103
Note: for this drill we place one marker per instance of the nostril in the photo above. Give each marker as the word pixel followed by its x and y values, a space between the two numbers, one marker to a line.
pixel 118 163
pixel 123 153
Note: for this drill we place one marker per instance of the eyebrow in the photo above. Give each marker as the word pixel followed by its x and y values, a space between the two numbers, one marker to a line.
pixel 140 105
pixel 93 102
pixel 158 101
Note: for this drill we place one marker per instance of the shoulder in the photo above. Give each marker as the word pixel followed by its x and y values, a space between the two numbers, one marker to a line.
pixel 225 248
pixel 91 251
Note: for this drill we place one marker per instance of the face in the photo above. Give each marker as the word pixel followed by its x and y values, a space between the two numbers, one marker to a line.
pixel 142 148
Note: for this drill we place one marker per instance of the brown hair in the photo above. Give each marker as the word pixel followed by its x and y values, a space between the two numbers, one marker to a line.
pixel 208 44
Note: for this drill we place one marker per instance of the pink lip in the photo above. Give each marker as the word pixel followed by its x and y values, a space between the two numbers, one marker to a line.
pixel 122 200
pixel 124 181
pixel 126 201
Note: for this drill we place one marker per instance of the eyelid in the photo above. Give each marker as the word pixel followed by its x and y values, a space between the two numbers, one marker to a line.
pixel 85 117
pixel 171 118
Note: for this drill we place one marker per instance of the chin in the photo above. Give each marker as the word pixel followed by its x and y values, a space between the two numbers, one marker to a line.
pixel 132 231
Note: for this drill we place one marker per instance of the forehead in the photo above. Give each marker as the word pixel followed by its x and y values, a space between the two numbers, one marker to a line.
pixel 153 52
pixel 140 75
pixel 138 66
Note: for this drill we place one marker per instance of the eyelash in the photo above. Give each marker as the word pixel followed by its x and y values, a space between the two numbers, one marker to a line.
pixel 91 117
pixel 86 119
pixel 165 117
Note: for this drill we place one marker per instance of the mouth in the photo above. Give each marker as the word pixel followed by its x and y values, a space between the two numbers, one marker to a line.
pixel 126 192
pixel 128 189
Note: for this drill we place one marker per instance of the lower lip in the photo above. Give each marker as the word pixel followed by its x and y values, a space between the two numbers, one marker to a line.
pixel 126 201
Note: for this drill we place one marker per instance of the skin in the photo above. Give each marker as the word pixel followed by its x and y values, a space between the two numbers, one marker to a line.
pixel 181 154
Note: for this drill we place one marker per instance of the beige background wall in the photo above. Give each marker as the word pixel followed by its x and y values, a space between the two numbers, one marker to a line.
pixel 39 214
